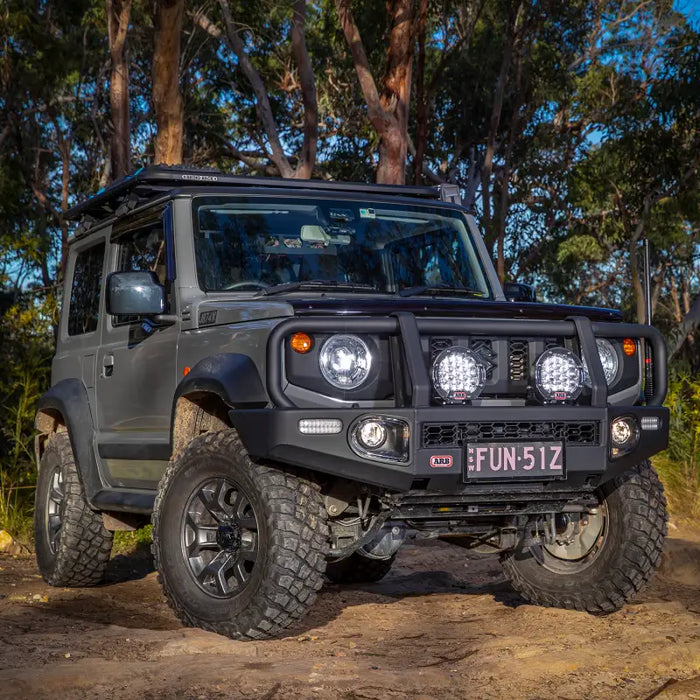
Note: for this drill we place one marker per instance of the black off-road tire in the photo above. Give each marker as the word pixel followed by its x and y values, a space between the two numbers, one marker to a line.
pixel 358 569
pixel 78 552
pixel 629 553
pixel 291 537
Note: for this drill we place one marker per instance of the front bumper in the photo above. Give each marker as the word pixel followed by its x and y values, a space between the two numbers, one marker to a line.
pixel 273 434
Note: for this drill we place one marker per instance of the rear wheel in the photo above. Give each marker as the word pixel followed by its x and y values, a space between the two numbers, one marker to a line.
pixel 359 569
pixel 599 563
pixel 72 545
pixel 240 547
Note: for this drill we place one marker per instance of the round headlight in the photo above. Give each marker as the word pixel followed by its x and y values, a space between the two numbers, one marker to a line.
pixel 608 358
pixel 458 374
pixel 558 375
pixel 345 361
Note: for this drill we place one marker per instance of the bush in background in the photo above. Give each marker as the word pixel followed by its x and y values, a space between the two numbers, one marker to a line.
pixel 679 465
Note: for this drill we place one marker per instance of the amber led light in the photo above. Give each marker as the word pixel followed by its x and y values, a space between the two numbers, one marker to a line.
pixel 301 342
pixel 629 347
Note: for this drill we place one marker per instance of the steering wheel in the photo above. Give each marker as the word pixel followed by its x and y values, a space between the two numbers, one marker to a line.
pixel 247 283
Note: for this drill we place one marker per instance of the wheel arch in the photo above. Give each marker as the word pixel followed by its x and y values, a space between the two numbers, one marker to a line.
pixel 209 391
pixel 65 407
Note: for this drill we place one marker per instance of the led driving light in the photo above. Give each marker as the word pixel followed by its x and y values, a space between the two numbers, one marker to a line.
pixel 651 423
pixel 458 374
pixel 320 426
pixel 558 375
pixel 609 360
pixel 380 438
pixel 345 361
pixel 371 434
pixel 624 435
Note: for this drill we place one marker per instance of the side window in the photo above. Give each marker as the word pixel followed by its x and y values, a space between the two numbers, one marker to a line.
pixel 140 251
pixel 84 309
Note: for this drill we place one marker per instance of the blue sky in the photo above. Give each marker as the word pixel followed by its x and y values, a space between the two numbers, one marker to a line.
pixel 691 8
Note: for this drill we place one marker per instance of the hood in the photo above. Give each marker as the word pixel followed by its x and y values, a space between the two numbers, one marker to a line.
pixel 382 306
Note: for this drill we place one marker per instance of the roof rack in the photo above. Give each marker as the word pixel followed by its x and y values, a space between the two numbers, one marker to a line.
pixel 153 180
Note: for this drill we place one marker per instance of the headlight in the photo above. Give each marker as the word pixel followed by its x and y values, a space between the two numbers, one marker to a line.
pixel 458 374
pixel 609 360
pixel 345 361
pixel 558 375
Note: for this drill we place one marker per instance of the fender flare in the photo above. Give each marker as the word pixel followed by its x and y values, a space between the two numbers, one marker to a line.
pixel 233 377
pixel 69 399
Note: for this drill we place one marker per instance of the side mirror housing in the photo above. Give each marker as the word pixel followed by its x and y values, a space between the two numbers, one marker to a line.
pixel 135 294
pixel 517 291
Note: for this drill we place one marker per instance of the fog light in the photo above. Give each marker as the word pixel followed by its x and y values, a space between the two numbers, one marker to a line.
pixel 651 422
pixel 380 438
pixel 320 426
pixel 371 434
pixel 624 435
pixel 621 432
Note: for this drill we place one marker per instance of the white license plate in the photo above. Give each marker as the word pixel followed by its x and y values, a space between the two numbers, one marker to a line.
pixel 514 460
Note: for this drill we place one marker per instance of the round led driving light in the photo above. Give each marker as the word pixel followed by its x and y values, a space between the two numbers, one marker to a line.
pixel 371 434
pixel 609 360
pixel 458 374
pixel 558 375
pixel 345 361
pixel 621 432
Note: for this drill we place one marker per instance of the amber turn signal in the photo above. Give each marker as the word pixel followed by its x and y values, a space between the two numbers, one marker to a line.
pixel 629 347
pixel 301 342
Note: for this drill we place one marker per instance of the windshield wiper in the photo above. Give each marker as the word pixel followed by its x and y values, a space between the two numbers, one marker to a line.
pixel 315 285
pixel 440 290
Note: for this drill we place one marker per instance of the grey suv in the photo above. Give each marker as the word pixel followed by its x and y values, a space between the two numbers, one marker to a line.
pixel 291 377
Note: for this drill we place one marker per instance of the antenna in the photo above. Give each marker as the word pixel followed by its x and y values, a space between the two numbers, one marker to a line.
pixel 648 367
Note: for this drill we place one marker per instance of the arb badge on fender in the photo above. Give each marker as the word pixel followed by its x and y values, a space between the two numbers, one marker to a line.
pixel 441 461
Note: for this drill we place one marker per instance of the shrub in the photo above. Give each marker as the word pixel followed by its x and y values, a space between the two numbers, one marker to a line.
pixel 679 465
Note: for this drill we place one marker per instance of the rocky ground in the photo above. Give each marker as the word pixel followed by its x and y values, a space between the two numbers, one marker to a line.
pixel 441 625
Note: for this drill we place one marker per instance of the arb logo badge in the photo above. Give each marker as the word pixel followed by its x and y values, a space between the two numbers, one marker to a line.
pixel 440 461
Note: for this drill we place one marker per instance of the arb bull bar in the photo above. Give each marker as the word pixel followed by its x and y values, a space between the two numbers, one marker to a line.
pixel 272 433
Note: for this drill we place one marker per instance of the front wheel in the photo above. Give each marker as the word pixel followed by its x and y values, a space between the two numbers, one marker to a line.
pixel 240 547
pixel 599 563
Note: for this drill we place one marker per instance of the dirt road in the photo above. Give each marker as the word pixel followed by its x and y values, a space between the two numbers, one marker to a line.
pixel 439 626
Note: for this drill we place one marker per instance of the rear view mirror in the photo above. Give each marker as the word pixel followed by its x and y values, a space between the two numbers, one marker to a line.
pixel 135 294
pixel 517 291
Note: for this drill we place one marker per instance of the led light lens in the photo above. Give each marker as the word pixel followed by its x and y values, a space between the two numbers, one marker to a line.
pixel 371 434
pixel 651 423
pixel 458 374
pixel 345 361
pixel 558 375
pixel 320 426
pixel 609 360
pixel 629 347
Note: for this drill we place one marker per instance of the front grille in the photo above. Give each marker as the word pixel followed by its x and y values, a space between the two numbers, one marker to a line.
pixel 517 359
pixel 459 434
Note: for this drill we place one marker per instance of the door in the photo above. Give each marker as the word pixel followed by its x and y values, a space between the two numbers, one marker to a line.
pixel 136 368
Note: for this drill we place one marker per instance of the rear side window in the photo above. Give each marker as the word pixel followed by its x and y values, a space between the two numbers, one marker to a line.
pixel 83 313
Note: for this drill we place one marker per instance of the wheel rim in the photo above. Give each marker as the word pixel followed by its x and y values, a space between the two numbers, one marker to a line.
pixel 220 537
pixel 579 542
pixel 54 509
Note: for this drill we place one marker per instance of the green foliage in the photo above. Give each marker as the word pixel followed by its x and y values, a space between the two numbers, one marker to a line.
pixel 132 541
pixel 679 466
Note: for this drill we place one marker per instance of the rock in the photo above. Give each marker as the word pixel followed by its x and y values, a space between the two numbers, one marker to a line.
pixel 6 541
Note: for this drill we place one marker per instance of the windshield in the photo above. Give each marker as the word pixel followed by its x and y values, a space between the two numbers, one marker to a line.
pixel 267 245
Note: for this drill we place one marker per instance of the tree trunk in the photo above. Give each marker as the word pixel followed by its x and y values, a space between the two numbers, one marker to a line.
pixel 421 104
pixel 388 113
pixel 167 98
pixel 307 157
pixel 118 12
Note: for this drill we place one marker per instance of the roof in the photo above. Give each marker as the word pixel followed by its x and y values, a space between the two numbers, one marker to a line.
pixel 147 183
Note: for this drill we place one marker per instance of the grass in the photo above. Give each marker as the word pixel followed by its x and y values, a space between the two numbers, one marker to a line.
pixel 133 541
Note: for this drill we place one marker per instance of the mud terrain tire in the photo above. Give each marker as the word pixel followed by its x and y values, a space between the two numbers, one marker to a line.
pixel 358 569
pixel 239 546
pixel 72 545
pixel 625 560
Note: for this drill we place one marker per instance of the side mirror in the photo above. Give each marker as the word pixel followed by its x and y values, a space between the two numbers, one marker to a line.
pixel 517 291
pixel 135 294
